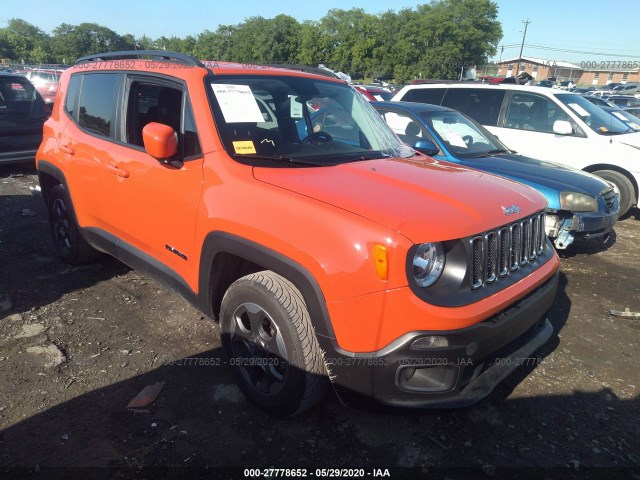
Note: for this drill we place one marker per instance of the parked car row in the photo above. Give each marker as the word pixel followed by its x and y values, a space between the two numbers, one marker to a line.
pixel 551 125
pixel 22 115
pixel 625 89
pixel 26 98
pixel 580 205
pixel 374 92
pixel 46 82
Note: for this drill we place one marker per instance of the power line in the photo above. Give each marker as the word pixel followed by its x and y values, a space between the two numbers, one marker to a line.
pixel 567 50
pixel 554 49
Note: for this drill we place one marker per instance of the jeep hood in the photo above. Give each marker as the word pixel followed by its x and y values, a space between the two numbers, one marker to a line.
pixel 422 198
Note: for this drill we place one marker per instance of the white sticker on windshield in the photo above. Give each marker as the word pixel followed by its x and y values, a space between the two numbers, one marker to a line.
pixel 620 116
pixel 454 139
pixel 579 110
pixel 296 107
pixel 237 103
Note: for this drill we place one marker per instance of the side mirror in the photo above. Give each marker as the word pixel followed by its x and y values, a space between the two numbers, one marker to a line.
pixel 562 127
pixel 160 140
pixel 427 147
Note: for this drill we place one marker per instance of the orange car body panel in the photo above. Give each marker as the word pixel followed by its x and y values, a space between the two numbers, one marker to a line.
pixel 371 322
pixel 326 219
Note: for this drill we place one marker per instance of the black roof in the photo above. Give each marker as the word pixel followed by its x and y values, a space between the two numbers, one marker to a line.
pixel 11 74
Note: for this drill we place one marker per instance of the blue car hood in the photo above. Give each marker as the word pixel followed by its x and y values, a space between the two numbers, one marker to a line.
pixel 546 177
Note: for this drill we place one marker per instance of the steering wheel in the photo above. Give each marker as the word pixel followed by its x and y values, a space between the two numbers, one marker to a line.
pixel 317 136
pixel 468 139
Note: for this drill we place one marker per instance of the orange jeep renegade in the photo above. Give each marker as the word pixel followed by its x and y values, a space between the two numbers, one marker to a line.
pixel 277 201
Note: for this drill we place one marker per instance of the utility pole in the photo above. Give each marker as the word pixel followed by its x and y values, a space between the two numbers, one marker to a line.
pixel 526 24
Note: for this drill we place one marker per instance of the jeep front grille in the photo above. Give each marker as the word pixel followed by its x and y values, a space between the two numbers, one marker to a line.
pixel 498 253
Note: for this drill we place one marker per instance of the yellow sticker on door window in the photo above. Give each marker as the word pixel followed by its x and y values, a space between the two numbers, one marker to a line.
pixel 244 147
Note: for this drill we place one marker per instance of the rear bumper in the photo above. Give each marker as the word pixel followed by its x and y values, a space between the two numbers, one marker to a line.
pixel 476 359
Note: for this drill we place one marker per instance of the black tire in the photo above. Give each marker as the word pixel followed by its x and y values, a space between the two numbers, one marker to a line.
pixel 269 341
pixel 625 186
pixel 67 240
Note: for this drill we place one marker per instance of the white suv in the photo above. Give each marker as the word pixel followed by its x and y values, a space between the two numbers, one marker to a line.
pixel 553 125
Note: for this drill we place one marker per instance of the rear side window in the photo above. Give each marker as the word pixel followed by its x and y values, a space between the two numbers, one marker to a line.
pixel 19 103
pixel 532 112
pixel 71 100
pixel 483 105
pixel 96 107
pixel 424 95
pixel 14 92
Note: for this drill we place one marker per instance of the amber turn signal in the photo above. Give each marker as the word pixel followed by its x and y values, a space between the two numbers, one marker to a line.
pixel 381 260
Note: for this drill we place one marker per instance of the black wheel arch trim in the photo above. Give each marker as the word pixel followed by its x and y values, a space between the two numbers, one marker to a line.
pixel 219 242
pixel 48 168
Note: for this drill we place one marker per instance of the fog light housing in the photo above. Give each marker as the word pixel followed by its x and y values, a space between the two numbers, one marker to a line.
pixel 427 379
pixel 432 341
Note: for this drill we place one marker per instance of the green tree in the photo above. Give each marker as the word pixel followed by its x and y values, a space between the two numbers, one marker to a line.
pixel 350 37
pixel 310 47
pixel 243 43
pixel 213 45
pixel 434 40
pixel 72 41
pixel 443 36
pixel 278 40
pixel 20 40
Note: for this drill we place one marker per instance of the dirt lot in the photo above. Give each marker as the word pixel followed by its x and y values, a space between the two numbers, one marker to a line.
pixel 76 344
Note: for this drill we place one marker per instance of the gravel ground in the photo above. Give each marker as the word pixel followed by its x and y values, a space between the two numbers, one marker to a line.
pixel 78 343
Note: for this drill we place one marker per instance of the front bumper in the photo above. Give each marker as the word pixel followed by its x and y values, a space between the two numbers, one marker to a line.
pixel 476 359
pixel 564 227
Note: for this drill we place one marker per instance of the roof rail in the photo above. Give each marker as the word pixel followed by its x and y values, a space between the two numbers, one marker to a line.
pixel 159 55
pixel 303 68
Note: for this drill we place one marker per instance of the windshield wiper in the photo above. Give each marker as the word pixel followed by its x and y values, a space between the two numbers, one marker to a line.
pixel 499 150
pixel 280 158
pixel 490 153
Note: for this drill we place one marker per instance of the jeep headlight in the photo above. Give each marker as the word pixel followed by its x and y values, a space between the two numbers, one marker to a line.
pixel 578 202
pixel 428 263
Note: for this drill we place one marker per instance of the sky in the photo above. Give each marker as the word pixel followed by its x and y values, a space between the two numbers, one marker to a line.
pixel 577 31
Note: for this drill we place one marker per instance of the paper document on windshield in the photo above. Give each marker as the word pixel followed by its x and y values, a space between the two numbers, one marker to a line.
pixel 295 110
pixel 579 110
pixel 454 139
pixel 237 103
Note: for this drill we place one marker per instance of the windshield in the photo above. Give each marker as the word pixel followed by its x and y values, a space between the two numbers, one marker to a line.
pixel 298 120
pixel 462 136
pixel 626 117
pixel 595 117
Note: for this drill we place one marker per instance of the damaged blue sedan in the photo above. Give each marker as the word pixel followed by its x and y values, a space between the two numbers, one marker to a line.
pixel 581 206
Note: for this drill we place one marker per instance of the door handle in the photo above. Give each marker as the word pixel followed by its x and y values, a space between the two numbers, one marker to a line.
pixel 113 168
pixel 67 149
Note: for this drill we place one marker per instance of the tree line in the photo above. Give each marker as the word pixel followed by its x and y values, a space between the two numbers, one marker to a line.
pixel 433 40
